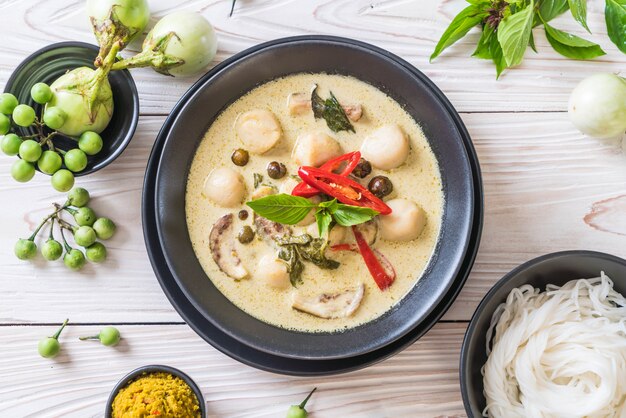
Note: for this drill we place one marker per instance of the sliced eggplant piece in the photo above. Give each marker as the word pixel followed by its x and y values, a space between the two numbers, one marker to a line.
pixel 270 230
pixel 331 305
pixel 222 245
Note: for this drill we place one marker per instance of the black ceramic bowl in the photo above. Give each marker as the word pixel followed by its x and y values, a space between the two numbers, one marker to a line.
pixel 51 62
pixel 317 54
pixel 153 369
pixel 556 268
pixel 260 359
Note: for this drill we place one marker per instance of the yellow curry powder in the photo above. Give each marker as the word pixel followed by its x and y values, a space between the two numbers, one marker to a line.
pixel 156 394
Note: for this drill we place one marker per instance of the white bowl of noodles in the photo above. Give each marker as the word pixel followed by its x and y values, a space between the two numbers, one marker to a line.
pixel 549 340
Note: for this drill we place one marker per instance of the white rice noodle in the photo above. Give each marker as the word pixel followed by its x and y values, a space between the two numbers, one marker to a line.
pixel 558 353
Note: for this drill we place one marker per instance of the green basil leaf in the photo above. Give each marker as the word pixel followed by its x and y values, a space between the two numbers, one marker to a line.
pixel 347 215
pixel 482 49
pixel 460 25
pixel 331 205
pixel 615 16
pixel 514 34
pixel 282 208
pixel 531 42
pixel 295 266
pixel 579 11
pixel 571 46
pixel 331 111
pixel 317 104
pixel 497 56
pixel 258 179
pixel 323 219
pixel 549 9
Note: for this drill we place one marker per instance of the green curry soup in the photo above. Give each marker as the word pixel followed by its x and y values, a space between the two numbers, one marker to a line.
pixel 417 180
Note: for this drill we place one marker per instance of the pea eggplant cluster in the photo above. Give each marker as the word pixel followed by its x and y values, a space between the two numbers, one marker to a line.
pixel 39 149
pixel 86 232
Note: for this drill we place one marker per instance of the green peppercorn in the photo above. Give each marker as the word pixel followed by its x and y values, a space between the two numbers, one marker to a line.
pixel 246 235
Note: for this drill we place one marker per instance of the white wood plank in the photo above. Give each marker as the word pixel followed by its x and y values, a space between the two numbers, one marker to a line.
pixel 422 381
pixel 407 28
pixel 541 179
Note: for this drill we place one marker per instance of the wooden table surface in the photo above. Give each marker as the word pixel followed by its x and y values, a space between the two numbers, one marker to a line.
pixel 547 188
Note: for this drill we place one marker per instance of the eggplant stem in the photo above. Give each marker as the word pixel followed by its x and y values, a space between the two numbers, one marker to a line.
pixel 152 56
pixel 303 403
pixel 101 76
pixel 92 337
pixel 56 334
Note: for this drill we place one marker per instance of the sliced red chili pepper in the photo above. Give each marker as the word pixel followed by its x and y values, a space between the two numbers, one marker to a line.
pixel 352 158
pixel 342 188
pixel 384 275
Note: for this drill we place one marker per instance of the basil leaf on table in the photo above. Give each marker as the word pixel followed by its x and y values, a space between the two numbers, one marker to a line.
pixel 579 11
pixel 282 208
pixel 571 46
pixel 514 34
pixel 549 9
pixel 331 111
pixel 346 215
pixel 615 16
pixel 483 48
pixel 458 28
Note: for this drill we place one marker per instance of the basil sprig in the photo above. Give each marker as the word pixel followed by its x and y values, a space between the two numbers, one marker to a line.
pixel 288 209
pixel 331 111
pixel 507 29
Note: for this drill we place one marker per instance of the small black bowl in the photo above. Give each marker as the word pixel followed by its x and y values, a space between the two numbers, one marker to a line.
pixel 556 268
pixel 155 368
pixel 51 62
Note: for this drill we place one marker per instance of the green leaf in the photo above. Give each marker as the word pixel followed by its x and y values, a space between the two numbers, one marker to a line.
pixel 615 16
pixel 549 9
pixel 295 266
pixel 531 42
pixel 482 48
pixel 331 111
pixel 258 179
pixel 296 249
pixel 497 56
pixel 282 208
pixel 514 34
pixel 460 25
pixel 579 11
pixel 323 219
pixel 331 205
pixel 347 215
pixel 571 46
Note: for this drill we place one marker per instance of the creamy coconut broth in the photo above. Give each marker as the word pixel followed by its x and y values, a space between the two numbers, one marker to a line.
pixel 416 180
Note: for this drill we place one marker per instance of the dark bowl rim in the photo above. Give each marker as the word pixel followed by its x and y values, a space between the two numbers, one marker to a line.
pixel 155 368
pixel 442 100
pixel 480 310
pixel 131 86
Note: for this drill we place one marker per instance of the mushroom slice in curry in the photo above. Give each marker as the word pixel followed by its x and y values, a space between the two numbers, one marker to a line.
pixel 331 305
pixel 222 245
